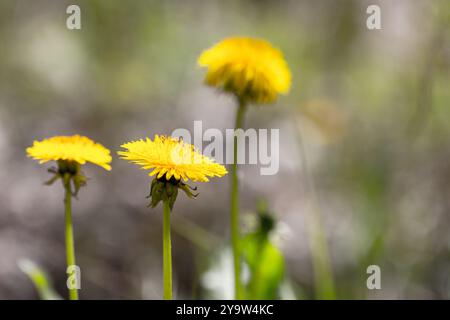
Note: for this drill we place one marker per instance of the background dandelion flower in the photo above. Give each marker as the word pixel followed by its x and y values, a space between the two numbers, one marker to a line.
pixel 75 148
pixel 250 68
pixel 171 157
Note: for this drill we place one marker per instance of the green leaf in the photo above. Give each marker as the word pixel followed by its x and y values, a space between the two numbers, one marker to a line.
pixel 266 264
pixel 265 261
pixel 39 279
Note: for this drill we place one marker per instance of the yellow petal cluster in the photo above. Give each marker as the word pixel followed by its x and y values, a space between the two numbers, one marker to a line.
pixel 250 68
pixel 171 157
pixel 70 148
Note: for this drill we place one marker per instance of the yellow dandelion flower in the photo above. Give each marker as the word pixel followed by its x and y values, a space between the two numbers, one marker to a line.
pixel 250 68
pixel 75 148
pixel 70 152
pixel 171 161
pixel 170 157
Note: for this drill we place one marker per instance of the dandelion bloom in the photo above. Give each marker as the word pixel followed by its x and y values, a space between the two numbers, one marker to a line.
pixel 75 148
pixel 170 157
pixel 250 68
pixel 170 160
pixel 69 152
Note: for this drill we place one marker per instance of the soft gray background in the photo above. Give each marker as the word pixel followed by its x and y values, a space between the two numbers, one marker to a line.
pixel 372 108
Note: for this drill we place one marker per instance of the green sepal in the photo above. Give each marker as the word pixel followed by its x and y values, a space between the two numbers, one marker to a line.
pixel 71 175
pixel 187 190
pixel 78 180
pixel 55 177
pixel 171 193
pixel 156 193
pixel 162 189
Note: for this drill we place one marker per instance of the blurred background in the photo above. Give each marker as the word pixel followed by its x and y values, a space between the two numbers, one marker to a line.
pixel 364 147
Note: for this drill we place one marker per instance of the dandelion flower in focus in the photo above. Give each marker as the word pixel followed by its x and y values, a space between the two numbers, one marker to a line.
pixel 171 157
pixel 170 161
pixel 252 69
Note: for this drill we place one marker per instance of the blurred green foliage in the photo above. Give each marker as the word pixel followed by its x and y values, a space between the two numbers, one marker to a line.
pixel 40 280
pixel 264 260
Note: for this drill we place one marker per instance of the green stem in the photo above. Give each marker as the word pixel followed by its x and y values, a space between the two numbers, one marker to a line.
pixel 323 275
pixel 234 214
pixel 70 247
pixel 167 253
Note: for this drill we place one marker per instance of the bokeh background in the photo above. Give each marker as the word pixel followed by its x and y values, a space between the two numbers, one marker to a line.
pixel 364 145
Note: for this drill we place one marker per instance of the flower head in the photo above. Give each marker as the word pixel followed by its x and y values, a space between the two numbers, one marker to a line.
pixel 70 152
pixel 171 161
pixel 75 148
pixel 171 157
pixel 250 68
